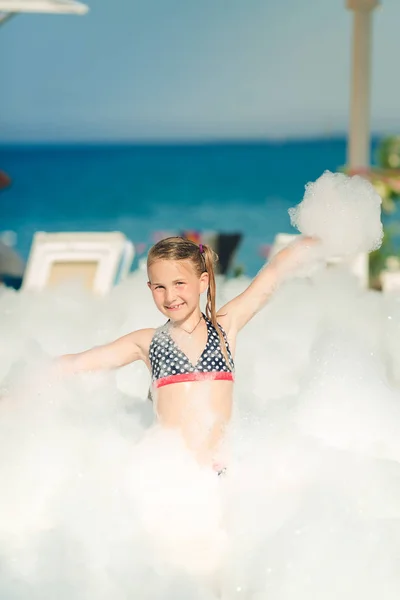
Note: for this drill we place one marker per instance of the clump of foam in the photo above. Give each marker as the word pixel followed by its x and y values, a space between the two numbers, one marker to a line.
pixel 344 212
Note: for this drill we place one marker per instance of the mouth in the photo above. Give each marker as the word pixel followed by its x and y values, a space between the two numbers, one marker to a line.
pixel 175 306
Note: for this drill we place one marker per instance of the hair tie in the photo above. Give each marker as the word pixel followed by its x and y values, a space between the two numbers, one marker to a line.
pixel 201 248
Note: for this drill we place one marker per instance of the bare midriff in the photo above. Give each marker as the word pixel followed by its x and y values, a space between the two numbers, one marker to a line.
pixel 200 411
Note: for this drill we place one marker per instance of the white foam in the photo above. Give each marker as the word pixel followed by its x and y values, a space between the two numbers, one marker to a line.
pixel 344 212
pixel 97 502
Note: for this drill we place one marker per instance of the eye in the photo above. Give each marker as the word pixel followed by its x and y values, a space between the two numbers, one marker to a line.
pixel 180 283
pixel 158 287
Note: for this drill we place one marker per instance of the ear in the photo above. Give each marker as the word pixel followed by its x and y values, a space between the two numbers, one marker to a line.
pixel 204 280
pixel 149 285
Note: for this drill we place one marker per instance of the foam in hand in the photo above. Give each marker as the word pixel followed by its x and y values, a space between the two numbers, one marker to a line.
pixel 344 212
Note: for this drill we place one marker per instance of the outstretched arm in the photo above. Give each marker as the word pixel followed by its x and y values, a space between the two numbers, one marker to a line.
pixel 241 309
pixel 123 351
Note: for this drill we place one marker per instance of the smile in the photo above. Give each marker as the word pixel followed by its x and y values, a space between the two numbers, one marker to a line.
pixel 174 306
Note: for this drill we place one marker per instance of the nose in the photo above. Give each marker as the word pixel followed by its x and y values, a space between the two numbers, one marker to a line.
pixel 170 296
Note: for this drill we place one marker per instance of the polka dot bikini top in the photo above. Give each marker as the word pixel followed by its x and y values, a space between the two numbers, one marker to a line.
pixel 170 365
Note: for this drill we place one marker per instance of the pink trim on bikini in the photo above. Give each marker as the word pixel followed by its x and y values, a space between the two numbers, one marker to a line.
pixel 184 377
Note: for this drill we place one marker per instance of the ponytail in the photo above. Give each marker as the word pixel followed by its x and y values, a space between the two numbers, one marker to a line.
pixel 210 258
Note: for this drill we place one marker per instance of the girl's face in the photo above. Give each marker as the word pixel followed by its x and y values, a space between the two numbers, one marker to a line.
pixel 176 287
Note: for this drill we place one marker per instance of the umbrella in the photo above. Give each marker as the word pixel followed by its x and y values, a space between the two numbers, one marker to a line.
pixel 9 8
pixel 359 132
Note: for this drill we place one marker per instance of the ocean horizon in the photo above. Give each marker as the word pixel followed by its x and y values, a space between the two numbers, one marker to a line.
pixel 147 189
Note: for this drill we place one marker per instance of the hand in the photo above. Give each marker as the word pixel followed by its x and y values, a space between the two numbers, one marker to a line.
pixel 299 258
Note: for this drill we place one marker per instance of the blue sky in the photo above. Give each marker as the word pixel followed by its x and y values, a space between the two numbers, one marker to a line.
pixel 190 69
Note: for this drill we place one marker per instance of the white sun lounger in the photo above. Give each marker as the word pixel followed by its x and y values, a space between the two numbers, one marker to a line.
pixel 97 261
pixel 390 281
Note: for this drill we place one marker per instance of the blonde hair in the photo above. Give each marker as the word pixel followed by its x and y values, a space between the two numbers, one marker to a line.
pixel 203 259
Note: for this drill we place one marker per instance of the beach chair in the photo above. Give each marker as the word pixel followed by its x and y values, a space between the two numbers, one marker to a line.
pixel 11 266
pixel 358 265
pixel 390 281
pixel 96 261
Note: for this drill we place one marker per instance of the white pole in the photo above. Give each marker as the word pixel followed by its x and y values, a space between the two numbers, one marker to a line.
pixel 358 151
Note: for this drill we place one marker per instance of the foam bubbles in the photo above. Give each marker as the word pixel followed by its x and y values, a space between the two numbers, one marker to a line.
pixel 98 502
pixel 344 212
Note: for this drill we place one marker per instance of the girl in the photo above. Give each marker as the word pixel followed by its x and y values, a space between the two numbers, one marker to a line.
pixel 191 358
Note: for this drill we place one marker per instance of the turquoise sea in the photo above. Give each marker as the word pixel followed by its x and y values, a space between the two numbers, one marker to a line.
pixel 145 189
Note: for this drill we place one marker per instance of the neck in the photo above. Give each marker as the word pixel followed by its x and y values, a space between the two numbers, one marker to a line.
pixel 190 321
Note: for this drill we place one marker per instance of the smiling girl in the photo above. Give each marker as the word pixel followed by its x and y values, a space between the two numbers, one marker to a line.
pixel 191 357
